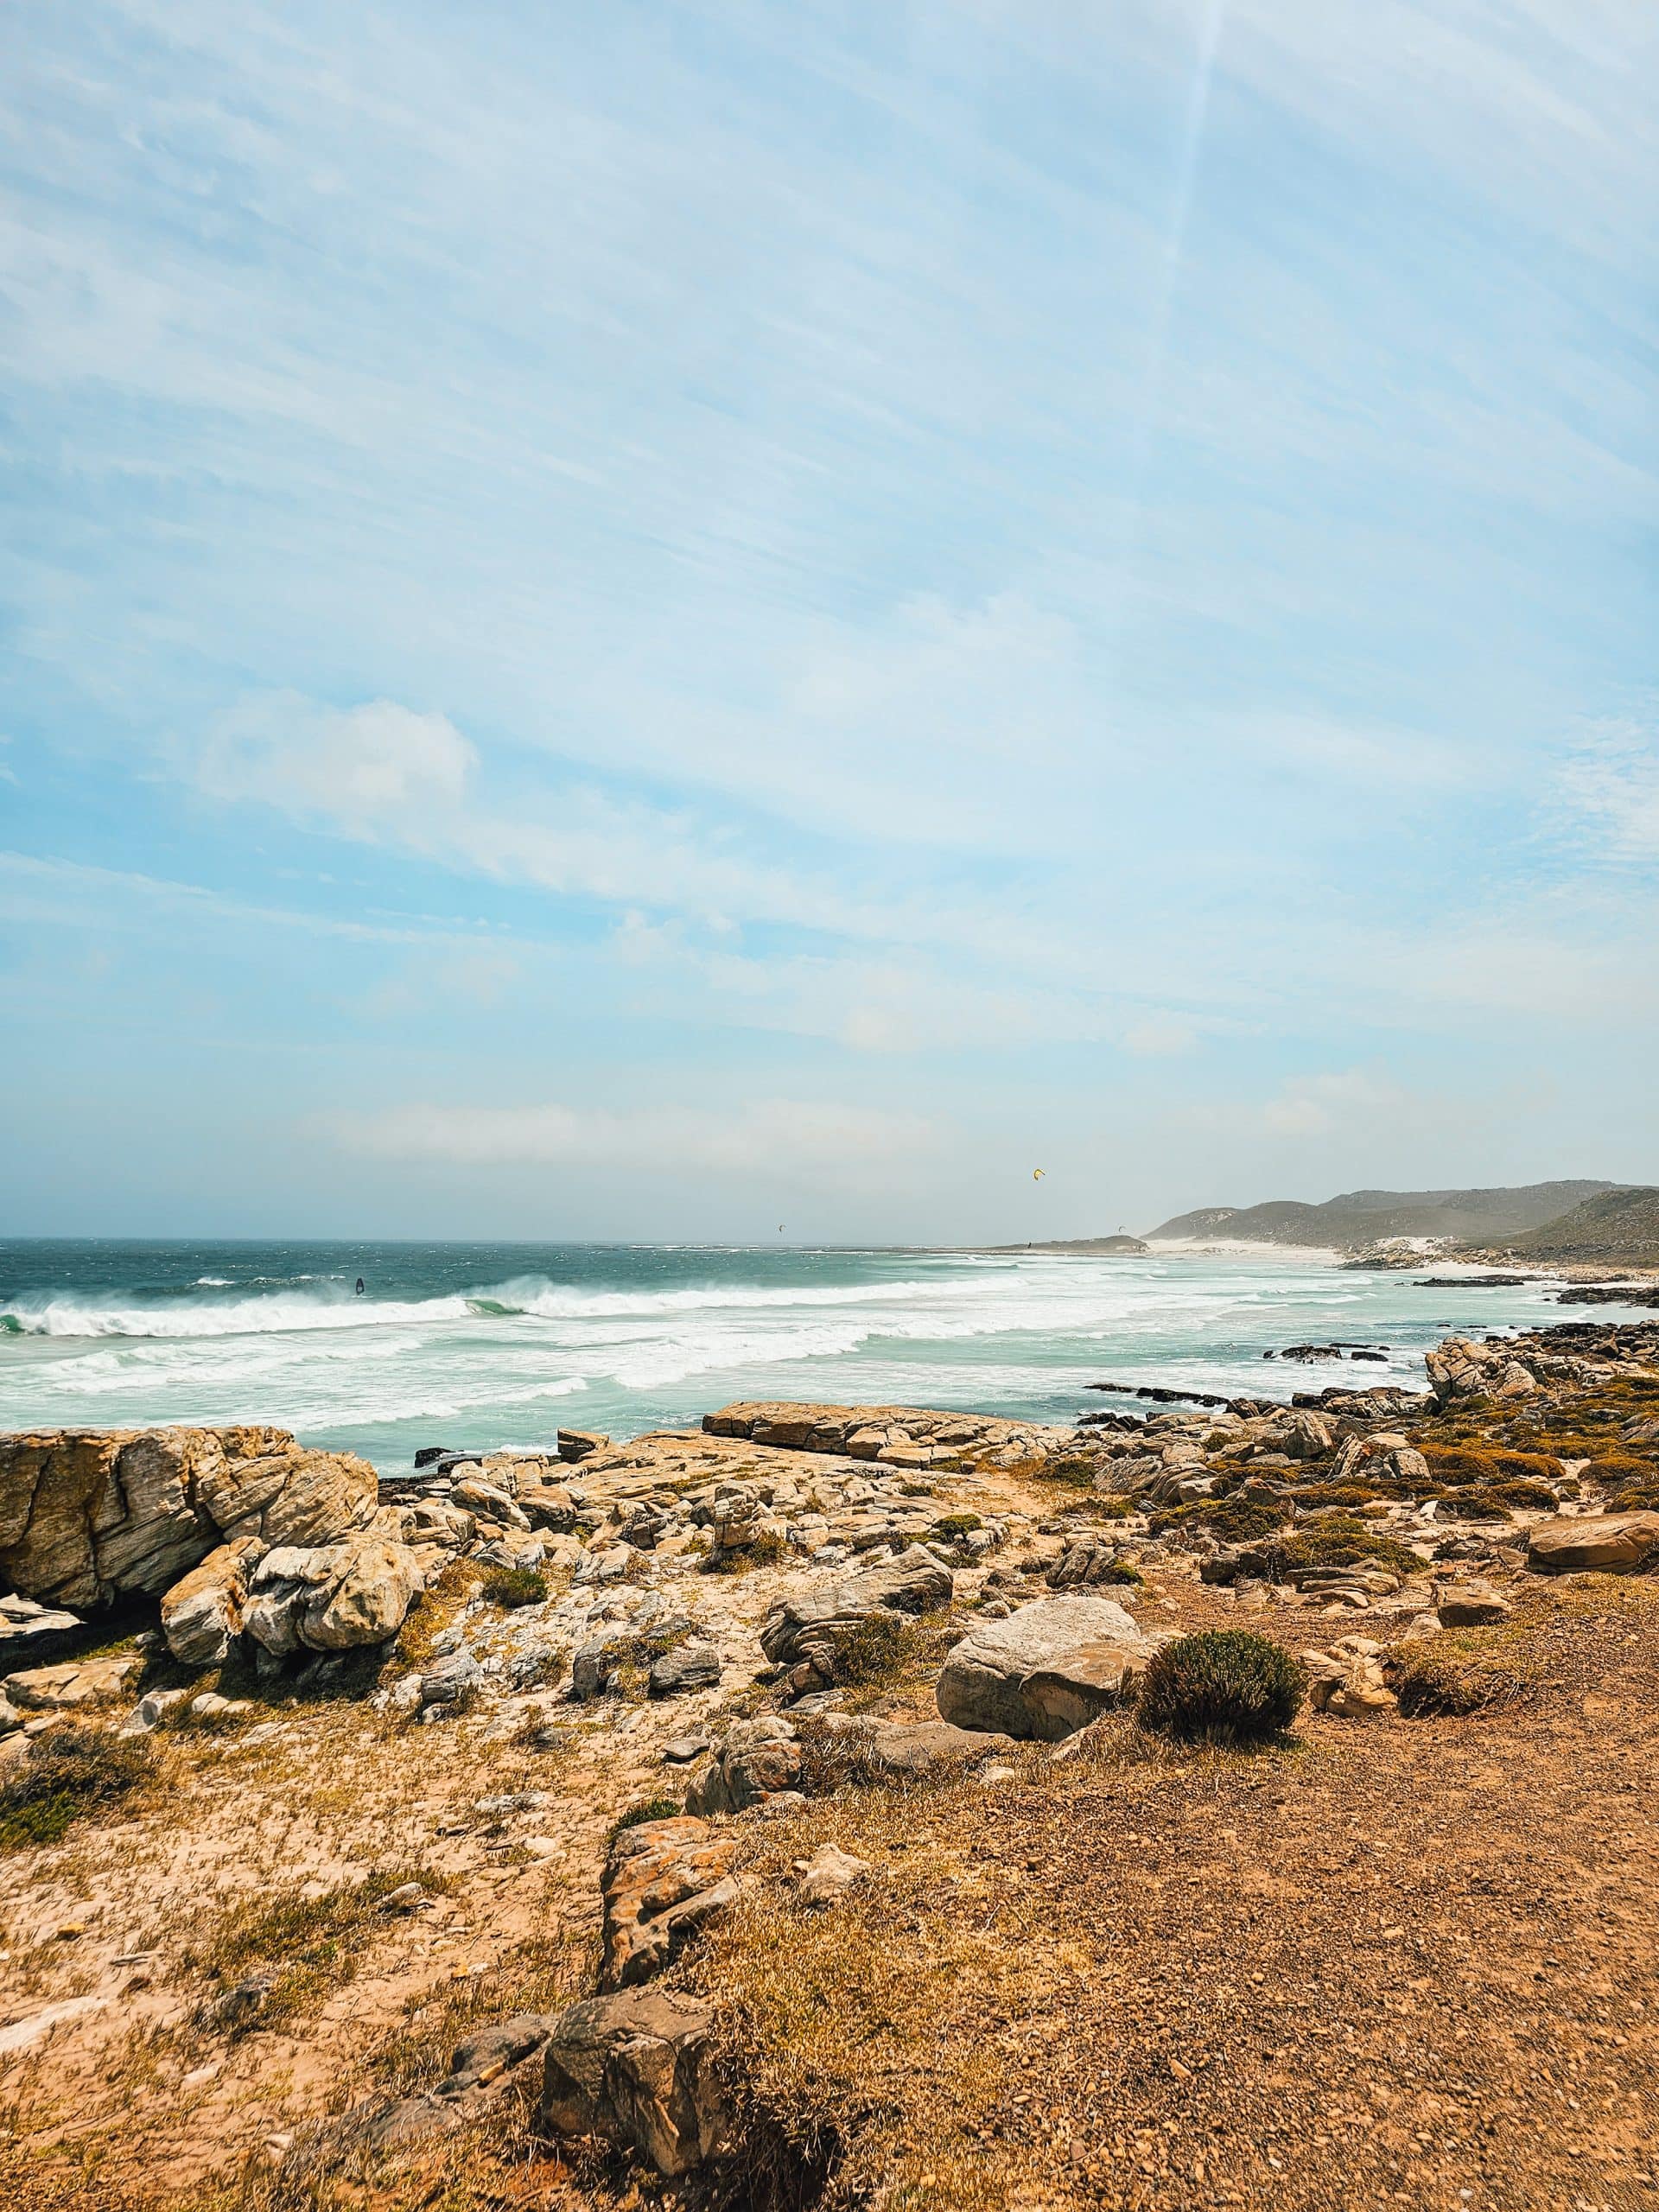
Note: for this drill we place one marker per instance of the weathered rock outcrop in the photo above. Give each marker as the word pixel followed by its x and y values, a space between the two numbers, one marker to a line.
pixel 1048 1668
pixel 201 1614
pixel 88 1515
pixel 663 1880
pixel 898 1436
pixel 332 1597
pixel 758 1759
pixel 1608 1543
pixel 816 1628
pixel 636 2069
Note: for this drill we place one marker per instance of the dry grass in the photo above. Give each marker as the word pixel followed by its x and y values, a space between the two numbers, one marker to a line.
pixel 1554 1643
pixel 302 1946
pixel 70 1771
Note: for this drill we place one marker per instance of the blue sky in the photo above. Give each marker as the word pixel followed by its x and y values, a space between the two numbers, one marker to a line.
pixel 645 620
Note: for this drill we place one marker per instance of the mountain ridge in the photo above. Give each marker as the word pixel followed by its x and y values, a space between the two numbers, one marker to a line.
pixel 1365 1217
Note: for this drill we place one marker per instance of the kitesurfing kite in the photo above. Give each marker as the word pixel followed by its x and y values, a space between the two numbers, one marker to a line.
pixel 1038 1173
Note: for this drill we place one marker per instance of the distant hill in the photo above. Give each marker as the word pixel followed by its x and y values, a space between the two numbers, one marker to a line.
pixel 1620 1227
pixel 1362 1216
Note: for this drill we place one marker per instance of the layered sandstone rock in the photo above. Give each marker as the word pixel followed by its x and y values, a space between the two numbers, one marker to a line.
pixel 89 1515
pixel 1608 1543
pixel 663 1880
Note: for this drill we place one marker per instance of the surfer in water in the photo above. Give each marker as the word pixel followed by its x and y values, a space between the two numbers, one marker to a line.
pixel 360 1285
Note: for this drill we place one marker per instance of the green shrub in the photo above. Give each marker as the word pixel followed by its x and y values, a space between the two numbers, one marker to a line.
pixel 769 1547
pixel 1337 1540
pixel 1235 1520
pixel 70 1770
pixel 649 1809
pixel 1071 1470
pixel 511 1588
pixel 952 1525
pixel 1487 1464
pixel 1224 1686
pixel 1476 1504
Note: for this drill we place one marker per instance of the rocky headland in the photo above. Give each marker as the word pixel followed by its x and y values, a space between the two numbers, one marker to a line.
pixel 1244 1803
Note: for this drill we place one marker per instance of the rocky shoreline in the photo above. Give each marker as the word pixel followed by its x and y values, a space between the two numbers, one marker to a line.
pixel 779 1644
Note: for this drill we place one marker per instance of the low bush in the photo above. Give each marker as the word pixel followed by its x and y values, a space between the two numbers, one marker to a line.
pixel 770 1546
pixel 1072 1471
pixel 1475 1504
pixel 1224 1686
pixel 952 1525
pixel 1239 1519
pixel 1487 1464
pixel 889 1648
pixel 1442 1678
pixel 71 1770
pixel 512 1587
pixel 1337 1539
pixel 648 1808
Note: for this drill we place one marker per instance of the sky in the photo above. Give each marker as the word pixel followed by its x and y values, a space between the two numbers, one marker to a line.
pixel 651 620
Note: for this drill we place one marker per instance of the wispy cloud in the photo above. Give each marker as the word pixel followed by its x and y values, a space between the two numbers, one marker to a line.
pixel 809 1140
pixel 1088 556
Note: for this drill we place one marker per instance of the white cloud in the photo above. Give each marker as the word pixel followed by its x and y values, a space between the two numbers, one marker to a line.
pixel 1610 782
pixel 809 1140
pixel 370 771
pixel 1159 1036
pixel 1316 1105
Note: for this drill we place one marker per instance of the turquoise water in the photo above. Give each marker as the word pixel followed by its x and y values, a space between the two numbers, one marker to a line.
pixel 498 1345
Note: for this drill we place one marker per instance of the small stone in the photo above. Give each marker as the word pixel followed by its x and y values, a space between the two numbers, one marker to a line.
pixel 830 1873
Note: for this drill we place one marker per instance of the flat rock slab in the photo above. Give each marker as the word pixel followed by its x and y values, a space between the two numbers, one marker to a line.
pixel 75 1683
pixel 1609 1543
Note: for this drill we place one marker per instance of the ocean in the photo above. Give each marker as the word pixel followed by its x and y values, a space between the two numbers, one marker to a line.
pixel 498 1345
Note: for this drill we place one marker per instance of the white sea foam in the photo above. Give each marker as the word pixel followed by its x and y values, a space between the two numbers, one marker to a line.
pixel 1023 1332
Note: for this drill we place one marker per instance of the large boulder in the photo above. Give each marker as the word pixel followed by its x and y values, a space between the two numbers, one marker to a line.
pixel 663 1880
pixel 1606 1543
pixel 637 2069
pixel 88 1515
pixel 815 1628
pixel 1073 1652
pixel 332 1597
pixel 202 1615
